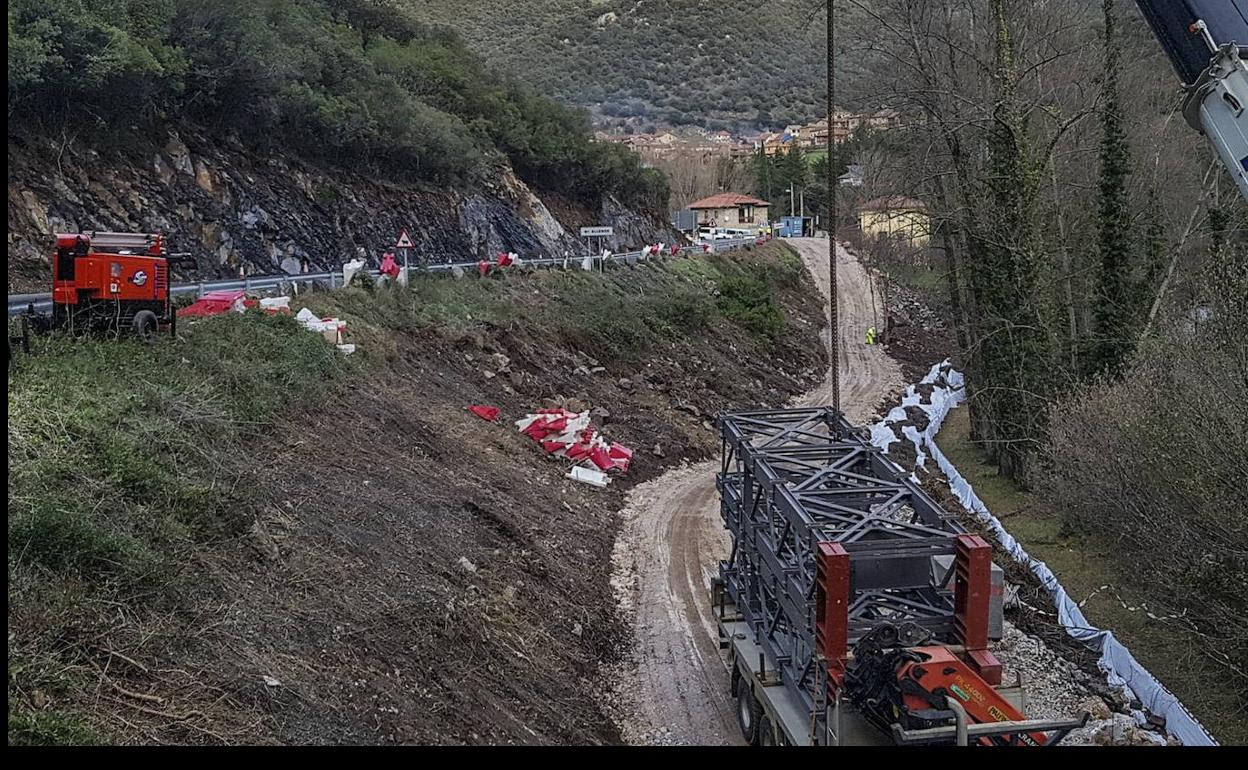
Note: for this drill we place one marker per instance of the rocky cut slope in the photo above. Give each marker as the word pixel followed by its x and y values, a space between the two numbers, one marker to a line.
pixel 260 135
pixel 233 207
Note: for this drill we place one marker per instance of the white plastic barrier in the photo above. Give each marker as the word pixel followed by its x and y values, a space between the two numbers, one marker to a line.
pixel 1121 669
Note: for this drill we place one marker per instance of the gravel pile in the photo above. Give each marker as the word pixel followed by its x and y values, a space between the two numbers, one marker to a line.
pixel 909 309
pixel 1056 688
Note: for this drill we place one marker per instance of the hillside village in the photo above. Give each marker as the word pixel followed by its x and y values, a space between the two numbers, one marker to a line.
pixel 718 178
pixel 696 140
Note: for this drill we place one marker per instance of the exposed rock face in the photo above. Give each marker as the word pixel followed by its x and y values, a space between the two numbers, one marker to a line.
pixel 631 228
pixel 232 208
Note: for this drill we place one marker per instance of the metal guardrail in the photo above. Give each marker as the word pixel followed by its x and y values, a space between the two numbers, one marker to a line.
pixel 42 303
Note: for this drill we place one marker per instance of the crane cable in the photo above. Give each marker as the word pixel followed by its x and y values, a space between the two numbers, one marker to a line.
pixel 834 345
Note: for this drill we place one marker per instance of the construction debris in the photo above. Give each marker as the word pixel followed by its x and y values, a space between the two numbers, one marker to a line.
pixel 218 302
pixel 388 266
pixel 589 476
pixel 504 259
pixel 489 413
pixel 564 433
pixel 275 304
pixel 331 328
pixel 215 303
pixel 349 270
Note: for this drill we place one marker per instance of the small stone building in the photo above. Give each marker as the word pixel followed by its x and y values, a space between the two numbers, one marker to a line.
pixel 732 210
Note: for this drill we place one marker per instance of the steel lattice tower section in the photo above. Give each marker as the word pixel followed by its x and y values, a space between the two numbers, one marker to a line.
pixel 798 485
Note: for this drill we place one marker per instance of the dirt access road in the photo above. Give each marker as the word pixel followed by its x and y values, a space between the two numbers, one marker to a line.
pixel 676 692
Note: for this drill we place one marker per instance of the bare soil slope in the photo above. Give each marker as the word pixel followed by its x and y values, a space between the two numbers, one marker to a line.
pixel 406 572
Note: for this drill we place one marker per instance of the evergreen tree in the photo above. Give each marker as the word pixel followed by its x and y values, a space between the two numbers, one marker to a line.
pixel 796 171
pixel 816 190
pixel 1116 297
pixel 792 176
pixel 1011 280
pixel 764 175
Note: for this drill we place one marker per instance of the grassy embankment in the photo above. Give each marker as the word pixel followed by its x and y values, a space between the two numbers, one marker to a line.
pixel 127 462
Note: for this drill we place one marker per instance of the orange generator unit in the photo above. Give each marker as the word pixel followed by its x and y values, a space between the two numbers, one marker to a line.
pixel 112 281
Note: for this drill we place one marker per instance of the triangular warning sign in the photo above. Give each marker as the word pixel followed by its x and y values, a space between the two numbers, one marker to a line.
pixel 405 241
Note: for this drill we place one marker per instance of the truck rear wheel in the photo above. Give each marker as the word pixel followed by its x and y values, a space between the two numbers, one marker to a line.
pixel 766 732
pixel 144 325
pixel 749 713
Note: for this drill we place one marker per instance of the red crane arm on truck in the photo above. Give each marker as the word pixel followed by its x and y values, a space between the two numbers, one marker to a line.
pixel 941 674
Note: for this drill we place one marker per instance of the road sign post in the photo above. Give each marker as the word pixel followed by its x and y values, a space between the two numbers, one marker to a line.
pixel 404 244
pixel 596 235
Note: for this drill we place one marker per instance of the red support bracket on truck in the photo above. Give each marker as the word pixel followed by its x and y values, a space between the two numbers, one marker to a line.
pixel 832 609
pixel 971 594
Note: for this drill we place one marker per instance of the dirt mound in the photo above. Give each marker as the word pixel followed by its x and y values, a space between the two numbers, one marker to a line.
pixel 451 549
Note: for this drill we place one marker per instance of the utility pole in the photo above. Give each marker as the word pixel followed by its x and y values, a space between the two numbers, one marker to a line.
pixel 791 212
pixel 834 347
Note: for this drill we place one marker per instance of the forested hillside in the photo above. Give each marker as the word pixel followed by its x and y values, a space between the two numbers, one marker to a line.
pixel 353 82
pixel 719 64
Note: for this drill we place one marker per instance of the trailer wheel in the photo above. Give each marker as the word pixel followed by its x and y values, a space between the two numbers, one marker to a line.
pixel 749 713
pixel 766 732
pixel 144 325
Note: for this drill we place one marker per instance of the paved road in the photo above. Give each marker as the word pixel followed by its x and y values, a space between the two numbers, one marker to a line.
pixel 673 539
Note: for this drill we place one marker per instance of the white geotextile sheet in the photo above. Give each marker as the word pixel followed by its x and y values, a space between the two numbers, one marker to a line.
pixel 1121 669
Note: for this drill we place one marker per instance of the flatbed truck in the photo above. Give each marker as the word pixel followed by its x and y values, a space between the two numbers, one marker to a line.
pixel 853 610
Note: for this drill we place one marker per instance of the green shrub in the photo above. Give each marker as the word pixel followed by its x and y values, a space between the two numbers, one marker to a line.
pixel 747 301
pixel 687 310
pixel 60 535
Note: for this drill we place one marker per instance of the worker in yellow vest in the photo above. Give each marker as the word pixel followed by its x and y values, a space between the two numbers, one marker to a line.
pixel 870 335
